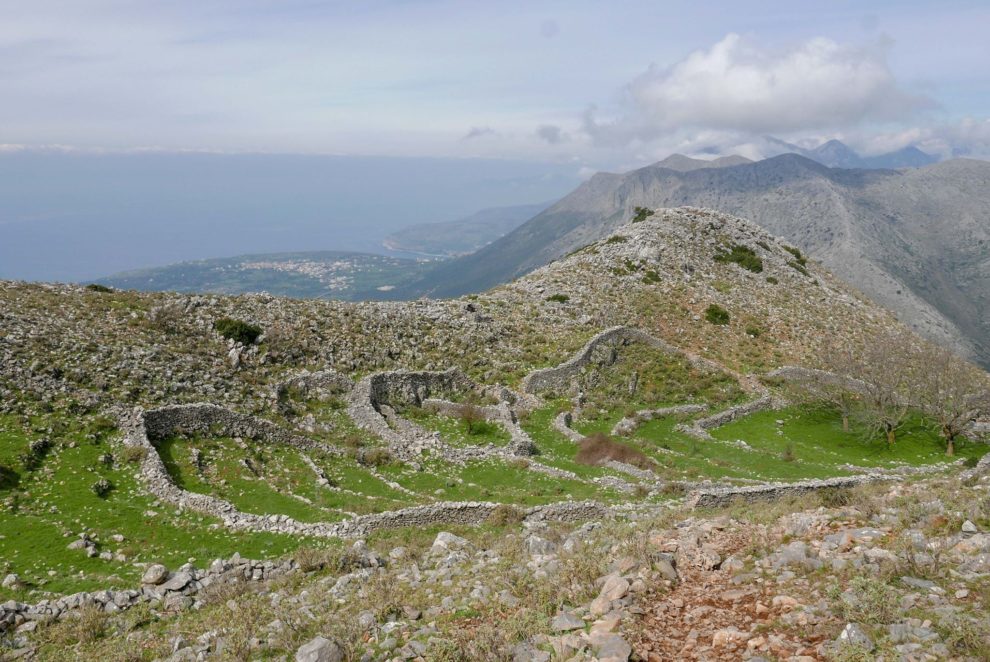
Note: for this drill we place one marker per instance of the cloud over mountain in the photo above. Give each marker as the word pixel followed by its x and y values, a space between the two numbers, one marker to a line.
pixel 738 86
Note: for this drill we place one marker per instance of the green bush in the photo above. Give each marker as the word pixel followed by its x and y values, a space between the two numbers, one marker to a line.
pixel 742 255
pixel 237 330
pixel 794 264
pixel 559 298
pixel 772 280
pixel 101 488
pixel 651 277
pixel 616 239
pixel 37 449
pixel 96 287
pixel 754 331
pixel 641 214
pixel 716 314
pixel 800 259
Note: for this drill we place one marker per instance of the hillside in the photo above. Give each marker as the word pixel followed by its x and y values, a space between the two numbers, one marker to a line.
pixel 917 241
pixel 315 274
pixel 542 469
pixel 464 235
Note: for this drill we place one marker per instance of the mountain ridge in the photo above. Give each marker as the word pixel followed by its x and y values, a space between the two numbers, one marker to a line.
pixel 854 221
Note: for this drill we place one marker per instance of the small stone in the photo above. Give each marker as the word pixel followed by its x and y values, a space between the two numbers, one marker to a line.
pixel 854 635
pixel 969 527
pixel 962 593
pixel 320 649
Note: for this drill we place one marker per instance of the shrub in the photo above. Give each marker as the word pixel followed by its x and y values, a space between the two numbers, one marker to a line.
pixel 101 488
pixel 716 314
pixel 772 280
pixel 335 559
pixel 599 448
pixel 971 462
pixel 472 417
pixel 651 277
pixel 375 457
pixel 788 454
pixel 96 287
pixel 237 330
pixel 559 298
pixel 36 451
pixel 800 259
pixel 107 459
pixel 641 214
pixel 754 331
pixel 165 317
pixel 133 454
pixel 8 478
pixel 742 255
pixel 616 239
pixel 794 264
pixel 504 515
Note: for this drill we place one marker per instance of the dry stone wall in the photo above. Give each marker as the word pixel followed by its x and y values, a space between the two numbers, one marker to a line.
pixel 558 379
pixel 628 425
pixel 723 496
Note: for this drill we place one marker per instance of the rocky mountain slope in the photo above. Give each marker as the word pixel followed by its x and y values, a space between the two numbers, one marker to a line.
pixel 917 241
pixel 566 465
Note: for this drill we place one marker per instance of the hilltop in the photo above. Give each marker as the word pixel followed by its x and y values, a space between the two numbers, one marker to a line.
pixel 916 241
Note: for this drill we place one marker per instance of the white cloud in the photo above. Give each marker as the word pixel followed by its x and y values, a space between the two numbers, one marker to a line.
pixel 738 86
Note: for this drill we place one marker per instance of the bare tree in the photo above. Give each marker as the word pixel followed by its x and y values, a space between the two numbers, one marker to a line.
pixel 884 373
pixel 950 392
pixel 833 385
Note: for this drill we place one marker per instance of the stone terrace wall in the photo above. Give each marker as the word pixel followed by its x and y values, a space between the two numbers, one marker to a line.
pixel 171 591
pixel 723 496
pixel 521 444
pixel 167 420
pixel 699 429
pixel 205 418
pixel 558 378
pixel 307 383
pixel 628 425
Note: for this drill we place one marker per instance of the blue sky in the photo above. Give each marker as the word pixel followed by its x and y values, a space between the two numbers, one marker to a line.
pixel 596 84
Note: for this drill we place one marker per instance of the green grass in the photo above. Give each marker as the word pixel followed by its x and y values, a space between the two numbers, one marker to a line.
pixel 455 432
pixel 817 436
pixel 49 507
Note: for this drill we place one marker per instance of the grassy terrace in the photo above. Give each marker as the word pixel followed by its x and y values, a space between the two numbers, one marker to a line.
pixel 808 443
pixel 46 509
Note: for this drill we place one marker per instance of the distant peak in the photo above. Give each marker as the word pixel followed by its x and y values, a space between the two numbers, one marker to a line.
pixel 682 163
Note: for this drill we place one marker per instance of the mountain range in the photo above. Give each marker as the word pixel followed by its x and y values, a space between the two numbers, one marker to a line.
pixel 836 154
pixel 916 240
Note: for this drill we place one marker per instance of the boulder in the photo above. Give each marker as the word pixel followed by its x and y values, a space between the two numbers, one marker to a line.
pixel 320 649
pixel 154 574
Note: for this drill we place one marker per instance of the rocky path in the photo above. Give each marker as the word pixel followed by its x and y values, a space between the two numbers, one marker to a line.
pixel 718 612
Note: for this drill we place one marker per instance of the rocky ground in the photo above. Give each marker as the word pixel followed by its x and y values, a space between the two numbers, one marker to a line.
pixel 892 572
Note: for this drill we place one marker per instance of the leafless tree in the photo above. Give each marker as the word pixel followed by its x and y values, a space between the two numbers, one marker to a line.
pixel 884 373
pixel 950 392
pixel 833 385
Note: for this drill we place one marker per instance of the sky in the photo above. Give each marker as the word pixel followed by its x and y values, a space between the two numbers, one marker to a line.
pixel 593 84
